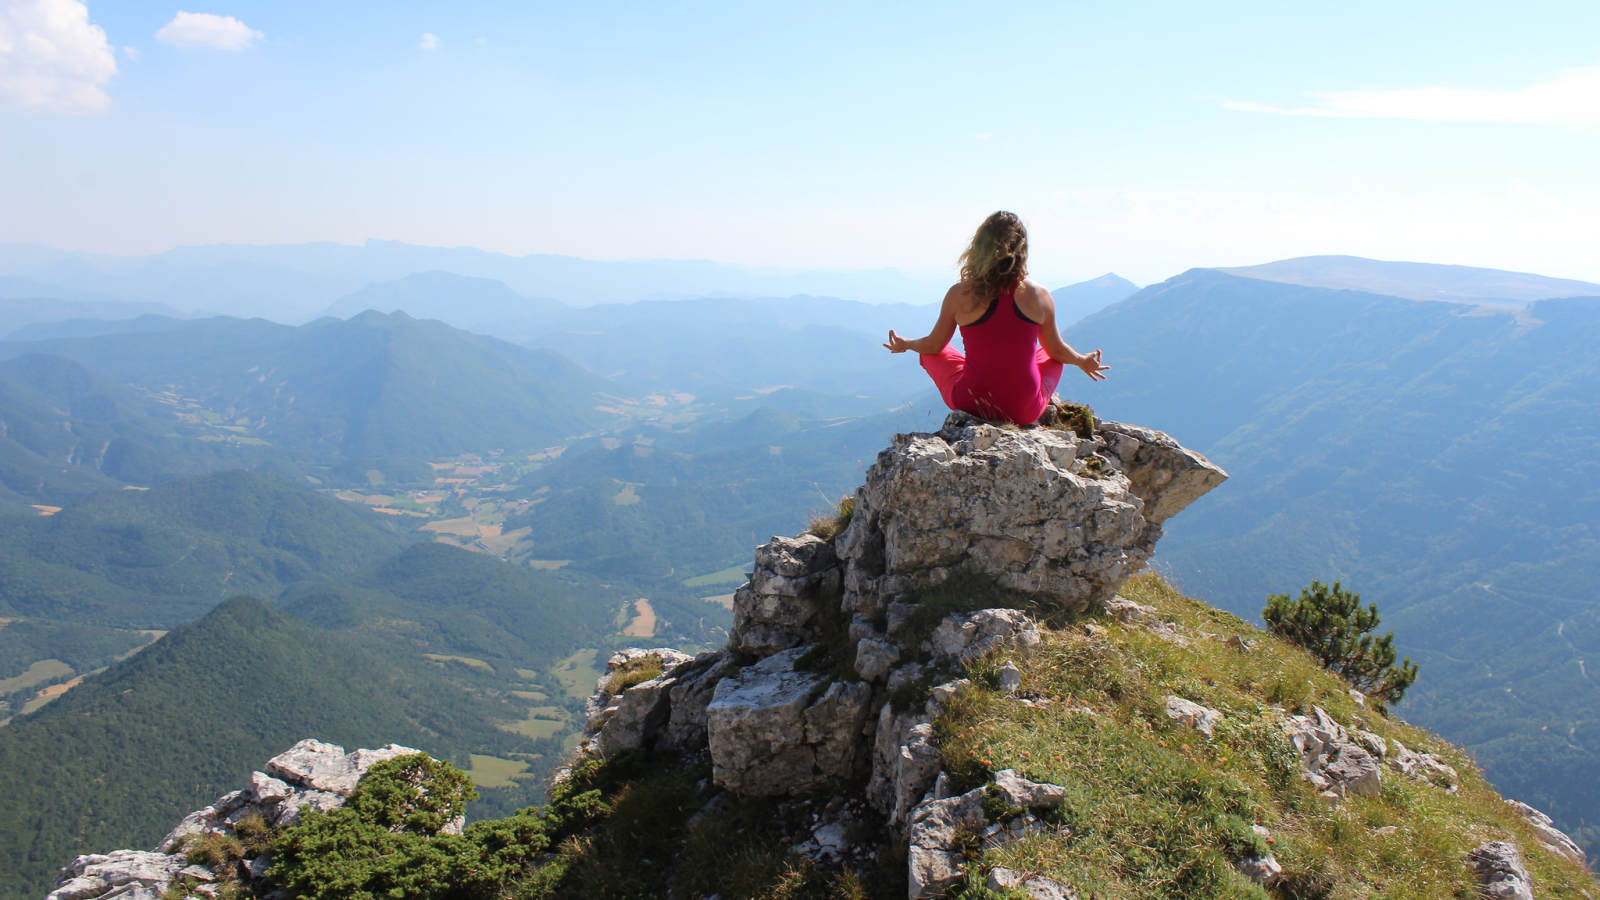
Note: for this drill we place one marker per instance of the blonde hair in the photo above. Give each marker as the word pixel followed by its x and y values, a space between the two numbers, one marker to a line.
pixel 997 257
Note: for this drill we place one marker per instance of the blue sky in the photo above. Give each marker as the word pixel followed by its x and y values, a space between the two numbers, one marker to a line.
pixel 1139 138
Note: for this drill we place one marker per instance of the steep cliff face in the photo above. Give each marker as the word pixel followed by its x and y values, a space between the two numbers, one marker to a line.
pixel 965 686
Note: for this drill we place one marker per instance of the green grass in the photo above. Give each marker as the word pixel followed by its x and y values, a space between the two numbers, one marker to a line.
pixel 37 673
pixel 494 772
pixel 1155 810
pixel 578 673
pixel 730 575
pixel 467 661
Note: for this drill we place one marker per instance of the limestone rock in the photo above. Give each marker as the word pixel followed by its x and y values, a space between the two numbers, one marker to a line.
pixel 916 767
pixel 1426 767
pixel 1263 870
pixel 776 608
pixel 1037 887
pixel 1334 763
pixel 326 767
pixel 1549 834
pixel 1010 677
pixel 1203 719
pixel 1500 871
pixel 1024 507
pixel 268 791
pixel 1021 792
pixel 875 657
pixel 774 730
pixel 933 861
pixel 97 875
pixel 1165 474
pixel 692 686
pixel 1129 612
pixel 964 638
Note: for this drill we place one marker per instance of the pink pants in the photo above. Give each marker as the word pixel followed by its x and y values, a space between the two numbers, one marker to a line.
pixel 948 366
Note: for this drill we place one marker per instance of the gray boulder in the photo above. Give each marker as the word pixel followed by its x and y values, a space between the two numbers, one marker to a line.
pixel 1549 834
pixel 1427 767
pixel 1020 792
pixel 776 609
pixel 125 874
pixel 1203 719
pixel 1336 765
pixel 934 861
pixel 774 730
pixel 1500 871
pixel 961 639
pixel 1036 887
pixel 1037 510
pixel 326 767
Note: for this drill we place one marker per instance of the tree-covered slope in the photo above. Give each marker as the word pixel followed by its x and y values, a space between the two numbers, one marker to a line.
pixel 121 758
pixel 151 559
pixel 66 431
pixel 373 386
pixel 440 599
pixel 1439 460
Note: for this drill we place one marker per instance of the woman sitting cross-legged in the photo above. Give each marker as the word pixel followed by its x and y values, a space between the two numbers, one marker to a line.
pixel 1008 324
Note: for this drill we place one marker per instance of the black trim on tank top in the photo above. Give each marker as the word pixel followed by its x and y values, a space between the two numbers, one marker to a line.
pixel 1018 310
pixel 993 305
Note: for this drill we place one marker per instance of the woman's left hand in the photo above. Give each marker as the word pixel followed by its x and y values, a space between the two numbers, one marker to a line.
pixel 897 344
pixel 1090 364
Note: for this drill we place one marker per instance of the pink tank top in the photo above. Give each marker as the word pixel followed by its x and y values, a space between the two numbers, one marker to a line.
pixel 1001 378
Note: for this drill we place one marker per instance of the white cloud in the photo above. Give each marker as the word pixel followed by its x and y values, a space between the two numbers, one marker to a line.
pixel 429 41
pixel 189 29
pixel 132 53
pixel 51 58
pixel 1570 99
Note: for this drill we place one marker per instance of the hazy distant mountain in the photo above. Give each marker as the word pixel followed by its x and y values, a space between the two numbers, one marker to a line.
pixel 453 299
pixel 75 328
pixel 1418 281
pixel 373 386
pixel 18 311
pixel 1437 460
pixel 725 347
pixel 293 282
pixel 1075 301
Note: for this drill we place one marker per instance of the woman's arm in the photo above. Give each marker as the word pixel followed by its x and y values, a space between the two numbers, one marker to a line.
pixel 943 330
pixel 1050 337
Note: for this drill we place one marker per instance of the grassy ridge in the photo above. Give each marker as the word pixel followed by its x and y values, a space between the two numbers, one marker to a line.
pixel 1156 810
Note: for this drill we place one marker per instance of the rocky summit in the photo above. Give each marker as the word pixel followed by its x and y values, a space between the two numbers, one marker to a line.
pixel 966 684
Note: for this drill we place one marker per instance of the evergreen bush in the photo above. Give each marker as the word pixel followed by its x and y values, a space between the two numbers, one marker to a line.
pixel 1331 623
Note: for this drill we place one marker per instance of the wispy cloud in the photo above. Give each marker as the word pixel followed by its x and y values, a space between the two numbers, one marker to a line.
pixel 189 29
pixel 1571 99
pixel 429 41
pixel 51 58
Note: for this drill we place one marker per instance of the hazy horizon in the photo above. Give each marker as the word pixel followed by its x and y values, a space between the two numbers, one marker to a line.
pixel 1143 140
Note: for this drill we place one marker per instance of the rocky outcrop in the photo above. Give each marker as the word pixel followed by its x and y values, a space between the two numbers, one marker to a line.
pixel 1037 510
pixel 825 642
pixel 940 828
pixel 1549 834
pixel 1500 871
pixel 775 729
pixel 1203 719
pixel 311 775
pixel 1335 764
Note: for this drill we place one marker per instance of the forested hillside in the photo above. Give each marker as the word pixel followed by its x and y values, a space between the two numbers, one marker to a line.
pixel 373 386
pixel 153 559
pixel 116 761
pixel 1440 460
